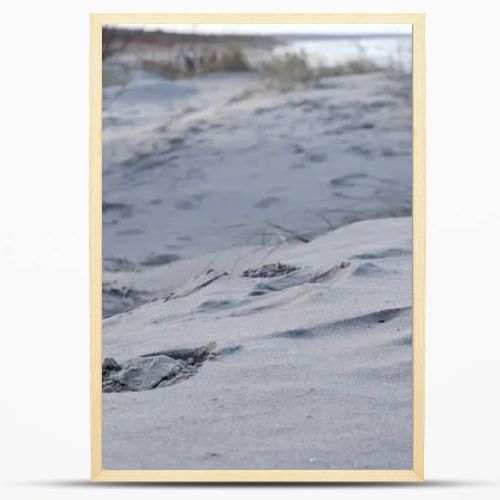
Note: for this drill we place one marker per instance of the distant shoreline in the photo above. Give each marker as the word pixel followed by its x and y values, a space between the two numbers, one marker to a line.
pixel 167 39
pixel 291 37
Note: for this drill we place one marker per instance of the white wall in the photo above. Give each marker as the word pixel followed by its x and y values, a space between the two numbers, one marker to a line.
pixel 44 450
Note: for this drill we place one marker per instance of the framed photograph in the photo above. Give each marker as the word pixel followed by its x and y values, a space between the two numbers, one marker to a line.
pixel 257 247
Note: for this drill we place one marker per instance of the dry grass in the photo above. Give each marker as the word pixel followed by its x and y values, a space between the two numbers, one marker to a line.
pixel 233 59
pixel 294 68
pixel 163 68
pixel 358 67
pixel 290 67
pixel 228 58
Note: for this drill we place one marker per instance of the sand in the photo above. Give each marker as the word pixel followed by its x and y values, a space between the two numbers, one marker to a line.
pixel 275 228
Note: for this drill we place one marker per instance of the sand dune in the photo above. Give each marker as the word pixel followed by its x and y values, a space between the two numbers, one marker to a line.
pixel 305 374
pixel 257 274
pixel 190 171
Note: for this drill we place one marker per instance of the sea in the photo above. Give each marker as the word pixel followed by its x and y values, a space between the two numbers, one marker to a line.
pixel 384 50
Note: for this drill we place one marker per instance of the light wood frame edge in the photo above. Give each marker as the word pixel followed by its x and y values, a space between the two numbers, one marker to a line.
pixel 419 244
pixel 252 476
pixel 95 243
pixel 95 252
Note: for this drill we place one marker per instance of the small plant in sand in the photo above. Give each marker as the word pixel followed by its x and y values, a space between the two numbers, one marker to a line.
pixel 288 69
pixel 233 59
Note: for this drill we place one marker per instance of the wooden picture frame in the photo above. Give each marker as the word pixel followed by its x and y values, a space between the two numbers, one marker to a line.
pixel 417 472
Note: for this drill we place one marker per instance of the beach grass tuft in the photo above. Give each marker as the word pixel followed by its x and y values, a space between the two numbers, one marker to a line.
pixel 295 68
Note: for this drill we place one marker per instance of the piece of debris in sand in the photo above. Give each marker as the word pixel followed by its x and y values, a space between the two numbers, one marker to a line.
pixel 155 370
pixel 270 271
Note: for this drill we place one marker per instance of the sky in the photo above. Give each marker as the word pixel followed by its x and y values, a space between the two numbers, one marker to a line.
pixel 283 28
